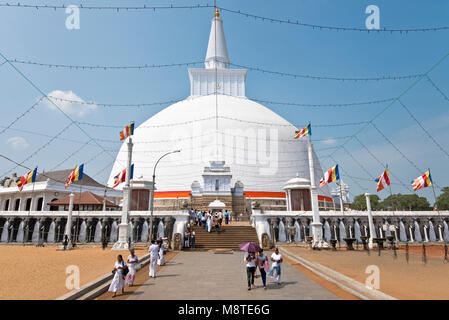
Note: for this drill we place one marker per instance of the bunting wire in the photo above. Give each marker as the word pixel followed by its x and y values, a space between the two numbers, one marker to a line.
pixel 313 77
pixel 46 144
pixel 356 161
pixel 54 104
pixel 424 129
pixel 278 73
pixel 104 67
pixel 28 168
pixel 262 101
pixel 407 186
pixel 436 87
pixel 388 106
pixel 70 155
pixel 345 173
pixel 294 126
pixel 147 66
pixel 47 135
pixel 293 22
pixel 396 148
pixel 22 115
pixel 332 28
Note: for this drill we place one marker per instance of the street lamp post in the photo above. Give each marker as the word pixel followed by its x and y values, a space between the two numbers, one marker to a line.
pixel 152 192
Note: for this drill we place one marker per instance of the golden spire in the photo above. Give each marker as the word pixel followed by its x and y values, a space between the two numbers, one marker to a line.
pixel 217 13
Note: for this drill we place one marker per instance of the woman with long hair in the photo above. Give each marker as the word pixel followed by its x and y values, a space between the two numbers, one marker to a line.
pixel 132 262
pixel 118 282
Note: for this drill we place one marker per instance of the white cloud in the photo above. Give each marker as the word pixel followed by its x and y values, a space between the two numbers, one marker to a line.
pixel 329 141
pixel 18 143
pixel 67 101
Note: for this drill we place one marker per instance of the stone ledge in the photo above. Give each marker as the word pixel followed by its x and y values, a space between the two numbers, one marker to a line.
pixel 348 284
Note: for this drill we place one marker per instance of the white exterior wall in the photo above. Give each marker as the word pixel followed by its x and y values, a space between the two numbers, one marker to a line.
pixel 231 82
pixel 48 191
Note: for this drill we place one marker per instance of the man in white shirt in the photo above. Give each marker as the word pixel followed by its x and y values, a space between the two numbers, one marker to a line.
pixel 154 253
pixel 250 259
pixel 276 257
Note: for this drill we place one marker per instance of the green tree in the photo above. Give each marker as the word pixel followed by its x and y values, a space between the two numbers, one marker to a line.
pixel 400 201
pixel 443 199
pixel 359 202
pixel 2 181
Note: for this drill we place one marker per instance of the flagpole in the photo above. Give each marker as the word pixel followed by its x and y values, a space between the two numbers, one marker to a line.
pixel 123 236
pixel 25 232
pixel 79 204
pixel 317 226
pixel 341 195
pixel 391 192
pixel 434 194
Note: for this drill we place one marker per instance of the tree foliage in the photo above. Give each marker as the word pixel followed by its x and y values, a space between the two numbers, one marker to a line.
pixel 443 199
pixel 2 181
pixel 398 201
pixel 359 202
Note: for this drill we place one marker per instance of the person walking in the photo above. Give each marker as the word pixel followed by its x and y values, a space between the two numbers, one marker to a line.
pixel 276 257
pixel 216 223
pixel 186 239
pixel 220 218
pixel 154 253
pixel 203 220
pixel 161 254
pixel 250 260
pixel 262 263
pixel 226 217
pixel 131 262
pixel 105 242
pixel 200 217
pixel 192 238
pixel 209 224
pixel 118 282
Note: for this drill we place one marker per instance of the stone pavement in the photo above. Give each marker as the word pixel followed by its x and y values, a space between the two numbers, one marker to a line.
pixel 200 275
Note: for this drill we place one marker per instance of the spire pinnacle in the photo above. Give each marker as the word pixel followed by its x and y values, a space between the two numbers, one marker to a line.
pixel 217 52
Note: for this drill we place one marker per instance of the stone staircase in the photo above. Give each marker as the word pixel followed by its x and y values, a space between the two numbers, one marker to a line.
pixel 229 236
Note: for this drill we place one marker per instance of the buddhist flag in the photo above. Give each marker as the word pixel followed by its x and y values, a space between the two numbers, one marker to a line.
pixel 384 176
pixel 30 177
pixel 128 131
pixel 121 176
pixel 77 174
pixel 422 181
pixel 330 175
pixel 304 132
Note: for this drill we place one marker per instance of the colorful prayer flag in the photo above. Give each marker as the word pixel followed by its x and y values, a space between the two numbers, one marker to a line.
pixel 30 177
pixel 330 175
pixel 121 176
pixel 304 132
pixel 77 174
pixel 128 131
pixel 384 176
pixel 422 181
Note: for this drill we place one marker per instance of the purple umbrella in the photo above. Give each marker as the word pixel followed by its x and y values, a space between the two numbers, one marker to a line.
pixel 249 247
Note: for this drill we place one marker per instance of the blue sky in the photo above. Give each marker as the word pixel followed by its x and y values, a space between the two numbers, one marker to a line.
pixel 176 36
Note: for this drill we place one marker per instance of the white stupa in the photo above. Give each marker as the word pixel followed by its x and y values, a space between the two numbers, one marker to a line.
pixel 218 123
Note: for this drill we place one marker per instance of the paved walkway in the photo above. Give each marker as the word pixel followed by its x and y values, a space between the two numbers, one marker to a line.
pixel 208 275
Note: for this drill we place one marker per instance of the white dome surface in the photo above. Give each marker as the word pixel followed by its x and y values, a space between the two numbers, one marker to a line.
pixel 256 143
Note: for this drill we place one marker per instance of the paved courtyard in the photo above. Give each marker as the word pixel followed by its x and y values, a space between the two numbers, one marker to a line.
pixel 208 275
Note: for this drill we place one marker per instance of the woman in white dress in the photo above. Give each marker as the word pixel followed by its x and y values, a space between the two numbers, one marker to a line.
pixel 276 258
pixel 132 262
pixel 118 282
pixel 161 257
pixel 209 224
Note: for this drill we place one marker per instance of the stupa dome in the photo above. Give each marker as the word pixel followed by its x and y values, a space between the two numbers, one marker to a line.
pixel 218 123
